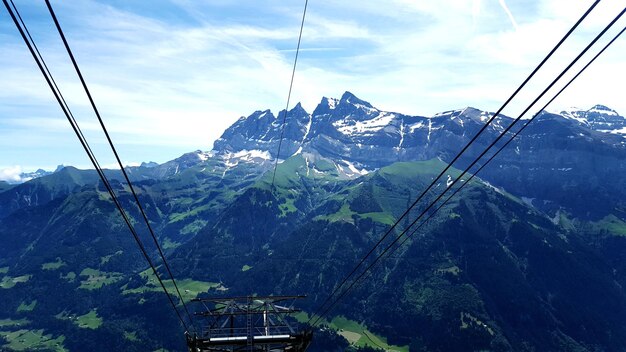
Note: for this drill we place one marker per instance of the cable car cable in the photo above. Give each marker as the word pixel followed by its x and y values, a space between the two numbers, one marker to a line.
pixel 119 161
pixel 92 158
pixel 434 182
pixel 293 74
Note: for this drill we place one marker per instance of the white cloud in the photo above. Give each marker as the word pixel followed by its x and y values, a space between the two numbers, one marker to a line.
pixel 168 86
pixel 11 174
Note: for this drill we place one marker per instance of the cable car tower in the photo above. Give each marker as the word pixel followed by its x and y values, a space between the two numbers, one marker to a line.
pixel 249 324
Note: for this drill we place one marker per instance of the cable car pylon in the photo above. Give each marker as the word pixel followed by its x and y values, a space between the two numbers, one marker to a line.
pixel 249 323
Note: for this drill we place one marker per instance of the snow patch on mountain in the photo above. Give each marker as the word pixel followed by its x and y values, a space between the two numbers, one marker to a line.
pixel 249 155
pixel 401 136
pixel 415 126
pixel 332 103
pixel 349 169
pixel 204 156
pixel 459 117
pixel 263 114
pixel 351 127
pixel 430 129
pixel 621 131
pixel 307 130
pixel 449 113
pixel 575 114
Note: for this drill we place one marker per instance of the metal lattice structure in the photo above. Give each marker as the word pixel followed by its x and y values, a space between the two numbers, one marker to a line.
pixel 249 324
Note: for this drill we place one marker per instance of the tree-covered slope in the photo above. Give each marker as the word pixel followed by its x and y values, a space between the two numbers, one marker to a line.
pixel 528 257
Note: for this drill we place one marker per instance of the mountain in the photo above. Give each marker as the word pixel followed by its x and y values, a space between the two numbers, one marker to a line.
pixel 529 256
pixel 42 190
pixel 580 151
pixel 599 118
pixel 481 272
pixel 27 176
pixel 4 186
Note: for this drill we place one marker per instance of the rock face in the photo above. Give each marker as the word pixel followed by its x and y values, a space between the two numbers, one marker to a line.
pixel 571 161
pixel 262 131
pixel 558 157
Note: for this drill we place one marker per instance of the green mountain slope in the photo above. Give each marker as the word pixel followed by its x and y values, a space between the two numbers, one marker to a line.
pixel 488 272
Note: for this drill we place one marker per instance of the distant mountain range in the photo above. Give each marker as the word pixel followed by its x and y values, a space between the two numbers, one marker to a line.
pixel 528 257
pixel 27 176
pixel 359 139
pixel 367 138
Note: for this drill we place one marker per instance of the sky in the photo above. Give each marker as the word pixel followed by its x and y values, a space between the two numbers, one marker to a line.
pixel 169 76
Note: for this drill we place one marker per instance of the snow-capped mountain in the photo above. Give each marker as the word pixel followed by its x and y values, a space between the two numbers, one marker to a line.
pixel 27 176
pixel 599 118
pixel 262 130
pixel 352 132
pixel 556 153
pixel 355 133
pixel 556 158
pixel 540 231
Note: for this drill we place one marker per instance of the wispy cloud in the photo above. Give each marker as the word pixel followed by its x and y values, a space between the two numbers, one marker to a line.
pixel 169 81
pixel 508 13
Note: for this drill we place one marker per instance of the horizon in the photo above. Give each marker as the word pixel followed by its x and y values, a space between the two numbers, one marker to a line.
pixel 12 174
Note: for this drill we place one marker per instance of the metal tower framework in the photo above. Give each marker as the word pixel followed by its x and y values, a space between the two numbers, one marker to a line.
pixel 249 324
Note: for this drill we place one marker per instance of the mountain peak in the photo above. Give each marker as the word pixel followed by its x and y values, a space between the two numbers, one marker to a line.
pixel 329 102
pixel 596 109
pixel 603 110
pixel 260 114
pixel 325 106
pixel 350 98
pixel 599 117
pixel 298 109
pixel 297 112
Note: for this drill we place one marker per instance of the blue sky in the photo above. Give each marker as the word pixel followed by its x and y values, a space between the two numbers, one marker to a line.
pixel 170 76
